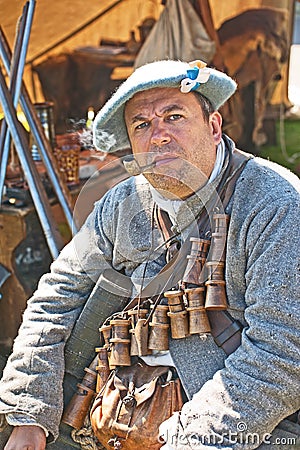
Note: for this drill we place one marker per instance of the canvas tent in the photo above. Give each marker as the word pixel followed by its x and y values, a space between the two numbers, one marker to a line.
pixel 61 28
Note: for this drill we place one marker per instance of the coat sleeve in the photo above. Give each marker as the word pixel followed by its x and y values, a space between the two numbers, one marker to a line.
pixel 32 380
pixel 259 385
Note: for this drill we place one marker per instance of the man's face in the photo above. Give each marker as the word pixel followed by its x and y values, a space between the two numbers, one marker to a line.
pixel 167 127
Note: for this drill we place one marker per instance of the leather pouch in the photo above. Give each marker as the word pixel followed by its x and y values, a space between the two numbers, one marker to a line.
pixel 135 400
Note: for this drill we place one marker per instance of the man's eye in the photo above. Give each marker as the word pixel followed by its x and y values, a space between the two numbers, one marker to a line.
pixel 173 117
pixel 142 125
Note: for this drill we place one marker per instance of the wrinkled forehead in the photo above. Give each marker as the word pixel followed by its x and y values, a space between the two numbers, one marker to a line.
pixel 160 98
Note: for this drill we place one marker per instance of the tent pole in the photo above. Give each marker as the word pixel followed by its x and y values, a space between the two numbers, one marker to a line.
pixel 16 75
pixel 36 187
pixel 59 187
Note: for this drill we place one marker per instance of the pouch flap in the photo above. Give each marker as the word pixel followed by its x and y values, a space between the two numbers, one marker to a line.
pixel 144 392
pixel 138 380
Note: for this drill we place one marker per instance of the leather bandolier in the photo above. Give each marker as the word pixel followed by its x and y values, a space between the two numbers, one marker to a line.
pixel 225 330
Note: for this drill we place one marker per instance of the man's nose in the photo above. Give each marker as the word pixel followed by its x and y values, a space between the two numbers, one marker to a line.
pixel 160 135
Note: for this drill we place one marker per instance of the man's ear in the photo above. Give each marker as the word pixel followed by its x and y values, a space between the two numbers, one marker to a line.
pixel 215 122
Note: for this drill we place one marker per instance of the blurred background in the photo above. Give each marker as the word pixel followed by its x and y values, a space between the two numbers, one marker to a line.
pixel 78 53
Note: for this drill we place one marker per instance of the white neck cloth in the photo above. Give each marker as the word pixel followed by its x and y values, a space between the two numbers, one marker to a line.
pixel 172 206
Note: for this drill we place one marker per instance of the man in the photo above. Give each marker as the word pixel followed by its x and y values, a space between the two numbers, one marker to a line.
pixel 167 112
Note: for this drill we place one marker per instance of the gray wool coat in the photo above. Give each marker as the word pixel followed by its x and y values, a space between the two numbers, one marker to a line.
pixel 258 385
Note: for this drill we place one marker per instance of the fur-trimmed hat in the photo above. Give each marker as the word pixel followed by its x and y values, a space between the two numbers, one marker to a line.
pixel 109 129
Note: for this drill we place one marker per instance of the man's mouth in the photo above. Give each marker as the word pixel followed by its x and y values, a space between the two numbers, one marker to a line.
pixel 164 159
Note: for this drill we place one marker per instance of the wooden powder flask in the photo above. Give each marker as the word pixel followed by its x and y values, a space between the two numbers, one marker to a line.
pixel 198 320
pixel 119 343
pixel 158 336
pixel 139 332
pixel 215 287
pixel 177 314
pixel 105 333
pixel 175 300
pixel 219 237
pixel 75 413
pixel 195 296
pixel 102 367
pixel 215 284
pixel 194 272
pixel 193 281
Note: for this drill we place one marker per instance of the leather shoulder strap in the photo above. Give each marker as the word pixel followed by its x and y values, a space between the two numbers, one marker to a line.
pixel 172 272
pixel 225 330
pixel 238 162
